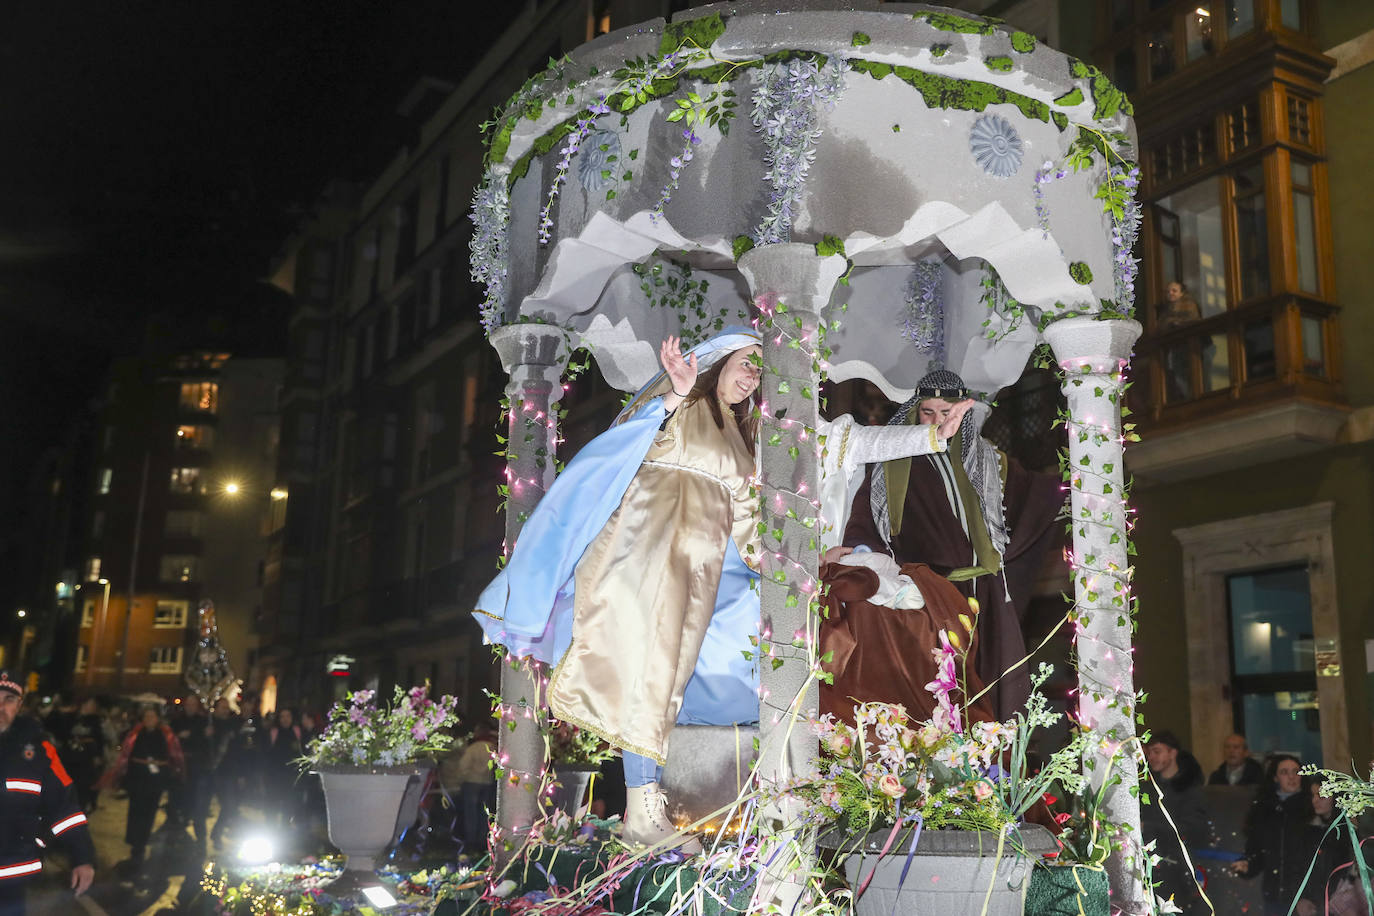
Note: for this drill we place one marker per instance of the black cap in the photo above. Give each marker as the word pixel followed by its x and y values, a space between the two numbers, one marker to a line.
pixel 9 684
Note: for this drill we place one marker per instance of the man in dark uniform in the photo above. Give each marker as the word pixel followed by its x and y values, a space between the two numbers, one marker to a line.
pixel 37 807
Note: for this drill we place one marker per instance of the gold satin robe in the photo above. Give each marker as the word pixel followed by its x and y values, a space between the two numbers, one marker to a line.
pixel 646 587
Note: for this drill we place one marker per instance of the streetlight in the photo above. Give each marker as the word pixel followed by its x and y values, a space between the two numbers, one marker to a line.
pixel 231 488
pixel 22 613
pixel 95 631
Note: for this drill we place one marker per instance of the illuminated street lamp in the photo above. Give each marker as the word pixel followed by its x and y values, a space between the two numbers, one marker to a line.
pixel 95 631
pixel 231 488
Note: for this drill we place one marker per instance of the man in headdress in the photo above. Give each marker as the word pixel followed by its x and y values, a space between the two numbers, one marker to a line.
pixel 975 517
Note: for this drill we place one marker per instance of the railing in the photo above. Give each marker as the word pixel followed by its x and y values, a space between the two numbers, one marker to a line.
pixel 1271 349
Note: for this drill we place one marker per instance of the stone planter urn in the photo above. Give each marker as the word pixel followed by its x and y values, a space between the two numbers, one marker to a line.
pixel 369 808
pixel 570 793
pixel 952 873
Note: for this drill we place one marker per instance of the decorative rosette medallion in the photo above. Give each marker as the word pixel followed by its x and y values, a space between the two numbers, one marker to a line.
pixel 996 146
pixel 596 160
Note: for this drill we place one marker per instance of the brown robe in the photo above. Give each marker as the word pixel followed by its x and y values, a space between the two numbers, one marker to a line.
pixel 930 534
pixel 882 654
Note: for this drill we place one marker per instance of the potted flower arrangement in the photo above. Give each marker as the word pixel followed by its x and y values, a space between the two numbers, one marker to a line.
pixel 373 761
pixel 1075 883
pixel 575 756
pixel 932 812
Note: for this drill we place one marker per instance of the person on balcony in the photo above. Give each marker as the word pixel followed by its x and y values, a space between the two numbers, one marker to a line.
pixel 1178 309
pixel 975 517
pixel 634 572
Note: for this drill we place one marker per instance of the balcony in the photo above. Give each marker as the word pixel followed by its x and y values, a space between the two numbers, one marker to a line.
pixel 1251 384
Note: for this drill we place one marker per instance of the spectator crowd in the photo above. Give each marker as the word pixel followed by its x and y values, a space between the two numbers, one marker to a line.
pixel 1291 838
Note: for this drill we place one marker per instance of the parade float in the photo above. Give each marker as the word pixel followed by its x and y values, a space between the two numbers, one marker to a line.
pixel 880 189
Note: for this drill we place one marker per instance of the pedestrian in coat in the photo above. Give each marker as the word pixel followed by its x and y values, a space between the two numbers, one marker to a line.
pixel 1280 841
pixel 149 761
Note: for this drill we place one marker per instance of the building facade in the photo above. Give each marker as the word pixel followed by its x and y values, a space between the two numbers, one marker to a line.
pixel 1253 390
pixel 389 518
pixel 184 456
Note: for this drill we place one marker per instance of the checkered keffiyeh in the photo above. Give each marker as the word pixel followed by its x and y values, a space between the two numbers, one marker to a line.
pixel 979 460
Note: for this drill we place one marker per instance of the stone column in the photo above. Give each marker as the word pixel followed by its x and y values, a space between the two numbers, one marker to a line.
pixel 1093 355
pixel 792 285
pixel 534 356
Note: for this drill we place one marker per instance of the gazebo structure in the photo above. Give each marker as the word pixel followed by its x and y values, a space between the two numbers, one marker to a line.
pixel 882 188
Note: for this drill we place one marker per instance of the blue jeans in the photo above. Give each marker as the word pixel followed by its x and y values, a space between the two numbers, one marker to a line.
pixel 640 771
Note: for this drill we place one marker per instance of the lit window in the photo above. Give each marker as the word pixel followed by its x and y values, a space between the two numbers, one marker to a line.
pixel 88 615
pixel 187 480
pixel 180 568
pixel 170 615
pixel 92 569
pixel 1304 226
pixel 105 479
pixel 83 654
pixel 1197 27
pixel 1313 346
pixel 195 437
pixel 1192 247
pixel 200 396
pixel 164 660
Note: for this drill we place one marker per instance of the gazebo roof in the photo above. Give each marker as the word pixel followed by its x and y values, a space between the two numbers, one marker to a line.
pixel 939 137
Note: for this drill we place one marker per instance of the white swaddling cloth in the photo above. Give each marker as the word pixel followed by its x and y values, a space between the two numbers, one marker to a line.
pixel 894 589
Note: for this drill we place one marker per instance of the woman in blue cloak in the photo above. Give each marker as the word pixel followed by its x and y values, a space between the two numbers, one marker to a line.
pixel 633 575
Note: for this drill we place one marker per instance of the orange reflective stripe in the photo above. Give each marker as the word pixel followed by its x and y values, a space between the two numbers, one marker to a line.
pixel 57 764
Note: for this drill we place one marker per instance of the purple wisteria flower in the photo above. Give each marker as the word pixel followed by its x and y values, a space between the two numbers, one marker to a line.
pixel 675 167
pixel 786 108
pixel 491 230
pixel 1043 176
pixel 1125 232
pixel 924 321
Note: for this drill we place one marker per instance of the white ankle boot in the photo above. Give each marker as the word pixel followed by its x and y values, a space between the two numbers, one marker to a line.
pixel 646 820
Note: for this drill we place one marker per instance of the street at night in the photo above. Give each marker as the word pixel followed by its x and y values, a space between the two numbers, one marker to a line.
pixel 666 458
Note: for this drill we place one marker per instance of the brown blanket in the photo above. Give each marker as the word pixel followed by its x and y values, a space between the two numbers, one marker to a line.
pixel 883 654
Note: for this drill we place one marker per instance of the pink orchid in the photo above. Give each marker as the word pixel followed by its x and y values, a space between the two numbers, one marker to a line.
pixel 946 682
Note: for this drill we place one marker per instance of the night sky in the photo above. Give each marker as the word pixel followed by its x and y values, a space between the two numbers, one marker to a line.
pixel 154 155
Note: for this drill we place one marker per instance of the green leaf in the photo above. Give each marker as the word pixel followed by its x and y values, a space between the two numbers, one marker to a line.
pixel 828 245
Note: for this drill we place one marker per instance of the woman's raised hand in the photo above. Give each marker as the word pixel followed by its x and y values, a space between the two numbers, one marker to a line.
pixel 950 424
pixel 682 372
